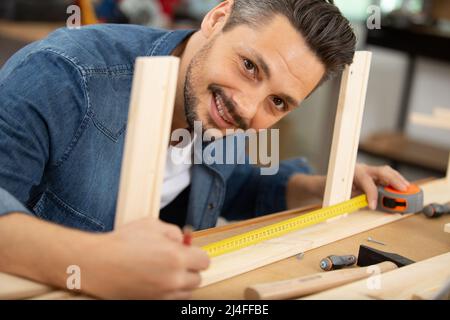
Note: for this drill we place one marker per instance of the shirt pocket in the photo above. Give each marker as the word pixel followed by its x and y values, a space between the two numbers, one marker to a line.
pixel 53 209
pixel 109 98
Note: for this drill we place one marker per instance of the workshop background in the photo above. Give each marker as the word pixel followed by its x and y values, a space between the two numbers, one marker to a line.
pixel 410 72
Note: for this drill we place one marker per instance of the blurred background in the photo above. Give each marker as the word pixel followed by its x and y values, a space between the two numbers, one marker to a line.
pixel 410 72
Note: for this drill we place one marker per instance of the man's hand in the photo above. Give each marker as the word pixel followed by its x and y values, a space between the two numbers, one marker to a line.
pixel 144 260
pixel 305 189
pixel 367 178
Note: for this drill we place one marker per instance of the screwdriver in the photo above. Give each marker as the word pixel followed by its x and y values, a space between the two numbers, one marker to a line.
pixel 435 210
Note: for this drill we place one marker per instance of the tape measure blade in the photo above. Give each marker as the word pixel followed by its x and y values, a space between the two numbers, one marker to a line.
pixel 284 227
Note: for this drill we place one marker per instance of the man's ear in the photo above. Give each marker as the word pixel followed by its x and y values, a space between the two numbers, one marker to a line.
pixel 216 18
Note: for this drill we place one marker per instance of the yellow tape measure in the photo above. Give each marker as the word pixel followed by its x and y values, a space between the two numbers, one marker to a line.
pixel 278 229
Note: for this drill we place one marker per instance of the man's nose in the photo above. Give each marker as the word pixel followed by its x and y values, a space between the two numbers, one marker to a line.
pixel 248 104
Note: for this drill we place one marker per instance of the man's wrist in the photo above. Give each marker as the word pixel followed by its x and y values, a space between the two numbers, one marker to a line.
pixel 305 189
pixel 312 185
pixel 84 259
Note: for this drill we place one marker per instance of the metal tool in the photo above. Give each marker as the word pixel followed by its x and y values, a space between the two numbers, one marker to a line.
pixel 368 256
pixel 370 239
pixel 334 262
pixel 436 210
pixel 395 201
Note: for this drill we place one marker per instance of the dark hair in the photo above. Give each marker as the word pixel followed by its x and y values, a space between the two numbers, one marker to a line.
pixel 326 31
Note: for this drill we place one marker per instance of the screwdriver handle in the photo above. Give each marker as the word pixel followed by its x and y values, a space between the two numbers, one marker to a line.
pixel 435 210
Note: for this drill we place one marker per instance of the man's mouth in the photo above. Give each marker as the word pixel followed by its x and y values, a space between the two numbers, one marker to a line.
pixel 220 114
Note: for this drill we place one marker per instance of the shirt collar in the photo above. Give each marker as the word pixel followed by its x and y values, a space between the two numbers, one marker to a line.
pixel 167 43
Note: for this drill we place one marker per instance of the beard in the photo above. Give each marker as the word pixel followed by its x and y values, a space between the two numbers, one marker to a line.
pixel 191 102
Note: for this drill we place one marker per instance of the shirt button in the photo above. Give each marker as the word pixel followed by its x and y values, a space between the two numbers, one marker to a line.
pixel 211 206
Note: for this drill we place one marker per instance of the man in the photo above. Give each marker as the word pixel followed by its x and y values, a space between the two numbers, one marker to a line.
pixel 63 112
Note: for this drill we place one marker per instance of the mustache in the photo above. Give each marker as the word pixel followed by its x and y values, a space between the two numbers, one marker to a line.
pixel 231 106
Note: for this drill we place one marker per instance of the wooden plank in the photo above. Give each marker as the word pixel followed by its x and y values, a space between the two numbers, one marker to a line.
pixel 403 283
pixel 256 256
pixel 144 157
pixel 430 121
pixel 12 287
pixel 420 229
pixel 150 115
pixel 347 130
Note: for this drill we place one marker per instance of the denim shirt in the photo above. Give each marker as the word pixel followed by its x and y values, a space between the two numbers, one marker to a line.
pixel 63 112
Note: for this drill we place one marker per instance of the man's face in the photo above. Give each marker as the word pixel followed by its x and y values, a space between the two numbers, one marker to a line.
pixel 250 78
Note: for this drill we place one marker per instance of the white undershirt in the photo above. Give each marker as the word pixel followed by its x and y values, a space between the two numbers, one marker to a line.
pixel 177 175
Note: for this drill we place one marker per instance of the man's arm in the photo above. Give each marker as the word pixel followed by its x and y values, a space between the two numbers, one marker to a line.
pixel 250 194
pixel 42 96
pixel 143 260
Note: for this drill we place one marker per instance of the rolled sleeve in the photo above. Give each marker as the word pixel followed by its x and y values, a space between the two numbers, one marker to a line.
pixel 9 204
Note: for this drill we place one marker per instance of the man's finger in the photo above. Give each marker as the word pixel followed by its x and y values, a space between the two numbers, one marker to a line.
pixel 389 176
pixel 171 231
pixel 401 177
pixel 196 259
pixel 368 186
pixel 193 280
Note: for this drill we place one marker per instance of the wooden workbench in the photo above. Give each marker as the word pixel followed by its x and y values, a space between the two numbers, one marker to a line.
pixel 415 237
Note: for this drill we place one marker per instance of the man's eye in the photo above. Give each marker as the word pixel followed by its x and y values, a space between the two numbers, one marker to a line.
pixel 279 104
pixel 249 66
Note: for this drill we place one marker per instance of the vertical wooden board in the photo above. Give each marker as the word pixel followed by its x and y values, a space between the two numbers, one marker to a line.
pixel 347 130
pixel 147 138
pixel 163 139
pixel 448 169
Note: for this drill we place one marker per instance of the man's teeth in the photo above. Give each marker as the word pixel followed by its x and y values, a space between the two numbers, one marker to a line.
pixel 220 108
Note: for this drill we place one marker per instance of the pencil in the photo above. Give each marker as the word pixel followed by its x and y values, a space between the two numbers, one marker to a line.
pixel 187 235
